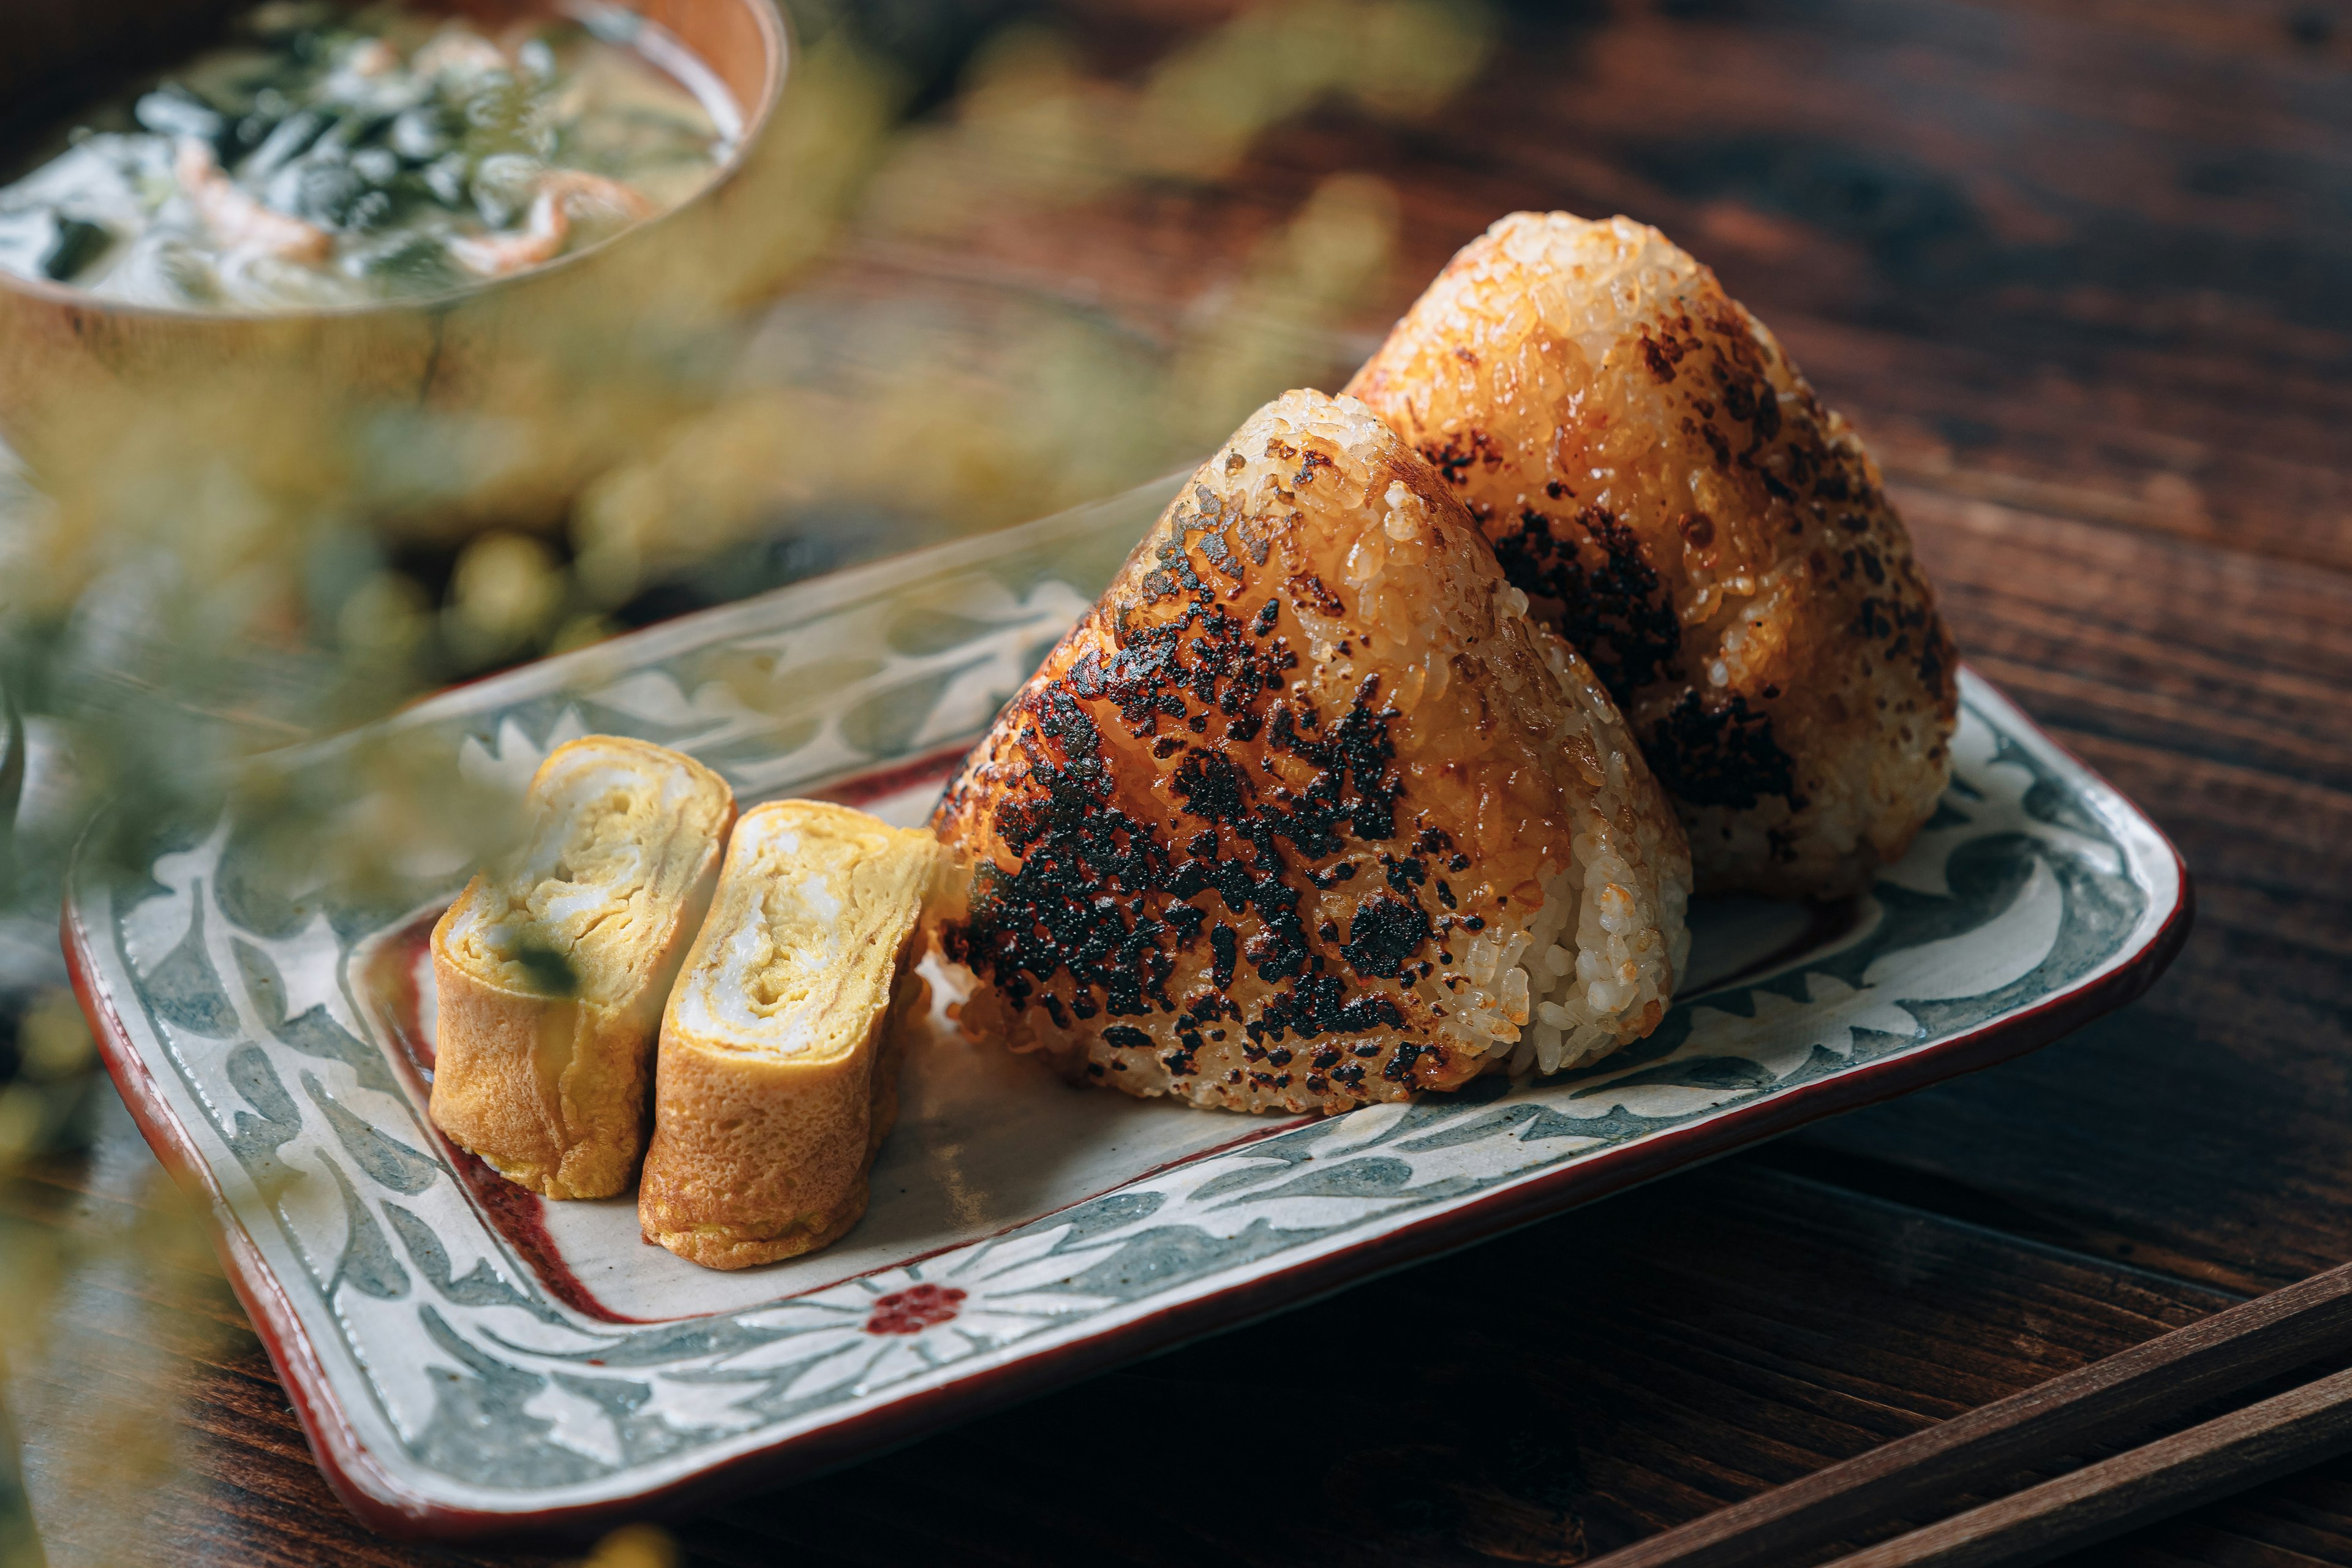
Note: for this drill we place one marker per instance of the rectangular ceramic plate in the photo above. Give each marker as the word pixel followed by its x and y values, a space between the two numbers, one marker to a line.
pixel 466 1357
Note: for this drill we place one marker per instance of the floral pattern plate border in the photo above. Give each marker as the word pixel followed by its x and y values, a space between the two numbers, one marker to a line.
pixel 447 1392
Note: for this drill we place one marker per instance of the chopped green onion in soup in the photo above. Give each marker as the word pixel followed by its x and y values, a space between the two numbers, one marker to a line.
pixel 339 156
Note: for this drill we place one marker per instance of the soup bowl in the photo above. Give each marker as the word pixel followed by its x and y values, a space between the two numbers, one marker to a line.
pixel 497 399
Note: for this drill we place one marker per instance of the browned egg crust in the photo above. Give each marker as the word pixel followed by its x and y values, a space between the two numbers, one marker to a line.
pixel 1660 479
pixel 1307 811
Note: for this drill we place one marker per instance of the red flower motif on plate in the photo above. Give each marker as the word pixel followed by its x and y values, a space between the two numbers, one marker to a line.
pixel 913 1310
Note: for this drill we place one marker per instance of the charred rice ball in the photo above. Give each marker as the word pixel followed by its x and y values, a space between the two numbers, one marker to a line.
pixel 1308 812
pixel 1660 479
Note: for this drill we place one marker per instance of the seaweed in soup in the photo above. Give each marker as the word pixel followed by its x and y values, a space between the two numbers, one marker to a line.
pixel 331 157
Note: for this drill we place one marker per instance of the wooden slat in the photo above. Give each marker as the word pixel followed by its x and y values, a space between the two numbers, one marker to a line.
pixel 2227 1352
pixel 2171 1476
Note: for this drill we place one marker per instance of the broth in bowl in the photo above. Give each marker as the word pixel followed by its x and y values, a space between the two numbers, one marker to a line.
pixel 333 157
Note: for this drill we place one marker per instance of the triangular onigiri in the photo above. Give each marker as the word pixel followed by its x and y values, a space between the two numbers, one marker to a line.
pixel 1307 812
pixel 1657 475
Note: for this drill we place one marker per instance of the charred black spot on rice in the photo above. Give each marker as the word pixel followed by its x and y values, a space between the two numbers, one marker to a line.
pixel 1454 458
pixel 1405 874
pixel 1660 355
pixel 1722 754
pixel 1611 608
pixel 1386 932
pixel 1937 660
pixel 1308 590
pixel 1400 1065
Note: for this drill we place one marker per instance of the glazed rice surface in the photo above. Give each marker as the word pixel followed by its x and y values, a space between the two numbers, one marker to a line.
pixel 1308 812
pixel 1660 479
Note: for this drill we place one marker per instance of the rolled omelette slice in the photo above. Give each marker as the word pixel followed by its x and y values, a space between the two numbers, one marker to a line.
pixel 779 1067
pixel 1306 812
pixel 551 969
pixel 1660 479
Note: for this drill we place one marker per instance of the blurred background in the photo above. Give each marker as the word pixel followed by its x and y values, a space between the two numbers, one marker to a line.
pixel 1022 256
pixel 897 350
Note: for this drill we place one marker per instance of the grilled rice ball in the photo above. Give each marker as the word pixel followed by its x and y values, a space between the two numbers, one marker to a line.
pixel 1660 479
pixel 1307 811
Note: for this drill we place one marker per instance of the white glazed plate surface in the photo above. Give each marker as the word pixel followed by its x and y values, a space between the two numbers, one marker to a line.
pixel 467 1357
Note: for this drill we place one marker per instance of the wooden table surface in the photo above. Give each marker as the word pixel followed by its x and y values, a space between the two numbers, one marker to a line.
pixel 2084 283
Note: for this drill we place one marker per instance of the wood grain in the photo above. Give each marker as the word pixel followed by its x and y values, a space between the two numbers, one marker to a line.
pixel 2235 1348
pixel 2078 274
pixel 2284 1432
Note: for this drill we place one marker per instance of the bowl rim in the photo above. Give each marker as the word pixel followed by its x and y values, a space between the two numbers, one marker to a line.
pixel 777 39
